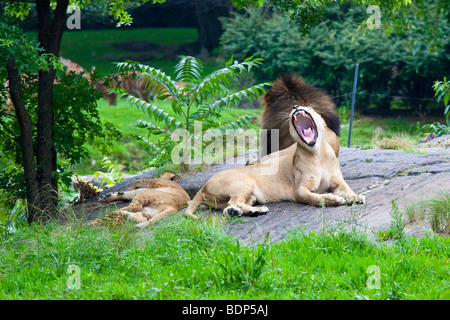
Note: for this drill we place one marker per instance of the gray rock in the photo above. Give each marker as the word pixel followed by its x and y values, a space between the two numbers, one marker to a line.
pixel 382 176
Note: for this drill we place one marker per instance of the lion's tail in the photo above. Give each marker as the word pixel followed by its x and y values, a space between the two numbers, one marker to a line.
pixel 194 204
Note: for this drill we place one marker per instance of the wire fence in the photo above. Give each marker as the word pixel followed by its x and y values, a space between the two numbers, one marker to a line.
pixel 381 95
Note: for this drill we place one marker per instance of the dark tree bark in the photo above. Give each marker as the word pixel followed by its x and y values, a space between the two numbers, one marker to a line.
pixel 208 24
pixel 26 141
pixel 50 33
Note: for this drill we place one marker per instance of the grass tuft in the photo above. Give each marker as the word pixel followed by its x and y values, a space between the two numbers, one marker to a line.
pixel 180 258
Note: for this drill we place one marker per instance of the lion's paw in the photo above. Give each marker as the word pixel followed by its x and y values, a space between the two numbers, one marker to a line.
pixel 261 210
pixel 232 211
pixel 340 200
pixel 103 198
pixel 332 200
pixel 359 199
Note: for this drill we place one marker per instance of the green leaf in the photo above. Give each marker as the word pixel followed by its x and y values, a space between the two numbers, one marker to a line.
pixel 446 98
pixel 189 69
pixel 229 62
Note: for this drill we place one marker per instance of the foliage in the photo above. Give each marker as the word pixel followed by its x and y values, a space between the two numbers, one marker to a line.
pixel 117 9
pixel 13 219
pixel 38 148
pixel 196 99
pixel 307 14
pixel 393 62
pixel 113 175
pixel 76 119
pixel 442 92
pixel 397 227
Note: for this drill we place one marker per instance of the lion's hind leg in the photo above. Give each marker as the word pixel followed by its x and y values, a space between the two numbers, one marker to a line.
pixel 134 216
pixel 164 211
pixel 243 205
pixel 120 196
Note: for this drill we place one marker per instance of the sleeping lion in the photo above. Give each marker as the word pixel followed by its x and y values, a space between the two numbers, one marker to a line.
pixel 306 172
pixel 151 199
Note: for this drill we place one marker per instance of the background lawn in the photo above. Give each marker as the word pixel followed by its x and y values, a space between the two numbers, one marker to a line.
pixel 96 47
pixel 99 48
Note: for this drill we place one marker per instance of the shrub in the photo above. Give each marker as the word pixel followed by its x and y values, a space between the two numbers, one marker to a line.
pixel 393 61
pixel 442 92
pixel 195 99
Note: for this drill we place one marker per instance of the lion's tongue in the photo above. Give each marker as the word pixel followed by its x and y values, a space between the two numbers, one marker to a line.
pixel 308 134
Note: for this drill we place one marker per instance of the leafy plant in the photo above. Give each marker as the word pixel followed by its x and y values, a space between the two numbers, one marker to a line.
pixel 442 92
pixel 196 98
pixel 394 61
pixel 397 227
pixel 113 175
pixel 75 122
pixel 15 218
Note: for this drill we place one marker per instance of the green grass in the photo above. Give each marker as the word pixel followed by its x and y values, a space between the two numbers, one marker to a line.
pixel 185 259
pixel 94 47
pixel 91 48
pixel 435 210
pixel 133 154
pixel 366 132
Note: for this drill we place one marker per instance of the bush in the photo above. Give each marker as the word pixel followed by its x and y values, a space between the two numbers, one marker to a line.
pixel 394 62
pixel 442 91
pixel 197 104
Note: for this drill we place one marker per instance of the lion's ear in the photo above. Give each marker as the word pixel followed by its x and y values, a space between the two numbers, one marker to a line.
pixel 170 176
pixel 167 175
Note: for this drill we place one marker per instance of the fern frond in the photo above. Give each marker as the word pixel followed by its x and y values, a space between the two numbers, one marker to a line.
pixel 151 128
pixel 152 76
pixel 189 69
pixel 215 83
pixel 219 105
pixel 151 110
pixel 148 142
pixel 241 122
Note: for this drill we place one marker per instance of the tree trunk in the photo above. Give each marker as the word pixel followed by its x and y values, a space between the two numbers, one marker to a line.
pixel 26 141
pixel 208 24
pixel 49 36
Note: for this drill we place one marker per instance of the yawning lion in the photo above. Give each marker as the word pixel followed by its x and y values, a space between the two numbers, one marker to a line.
pixel 307 172
pixel 287 91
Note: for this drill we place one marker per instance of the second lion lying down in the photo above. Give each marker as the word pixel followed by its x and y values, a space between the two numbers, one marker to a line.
pixel 307 172
pixel 151 199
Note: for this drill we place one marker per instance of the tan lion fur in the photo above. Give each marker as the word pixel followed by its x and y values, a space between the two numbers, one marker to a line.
pixel 130 82
pixel 287 91
pixel 151 199
pixel 300 173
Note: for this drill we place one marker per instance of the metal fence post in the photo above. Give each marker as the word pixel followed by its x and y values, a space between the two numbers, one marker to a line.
pixel 355 80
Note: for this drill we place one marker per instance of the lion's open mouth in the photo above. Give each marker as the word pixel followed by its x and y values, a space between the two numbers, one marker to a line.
pixel 305 126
